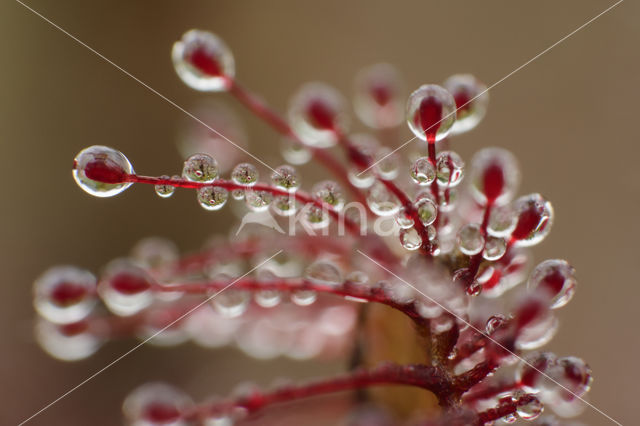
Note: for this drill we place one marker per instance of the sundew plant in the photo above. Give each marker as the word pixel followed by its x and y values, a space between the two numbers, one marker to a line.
pixel 414 269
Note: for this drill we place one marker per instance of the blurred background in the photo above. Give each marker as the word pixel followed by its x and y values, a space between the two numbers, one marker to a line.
pixel 569 117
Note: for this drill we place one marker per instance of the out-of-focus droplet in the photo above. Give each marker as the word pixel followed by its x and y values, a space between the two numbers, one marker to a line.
pixel 534 219
pixel 530 410
pixel 200 168
pixel 431 112
pixel 494 248
pixel 155 404
pixel 386 163
pixel 286 177
pixel 212 197
pixel 258 201
pixel 284 205
pixel 102 171
pixel 381 201
pixel 377 99
pixel 495 176
pixel 245 174
pixel 315 217
pixel 329 193
pixel 404 220
pixel 449 169
pixel 471 97
pixel 303 297
pixel 67 342
pixel 556 278
pixel 267 298
pixel 295 153
pixel 495 322
pixel 203 61
pixel 164 190
pixel 502 221
pixel 231 303
pixel 316 111
pixel 153 252
pixel 323 272
pixel 125 288
pixel 422 171
pixel 410 239
pixel 64 294
pixel 364 148
pixel 470 239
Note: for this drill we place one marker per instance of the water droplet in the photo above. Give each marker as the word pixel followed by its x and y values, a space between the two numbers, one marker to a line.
pixel 295 153
pixel 237 194
pixel 164 190
pixel 200 168
pixel 284 205
pixel 245 174
pixel 530 373
pixel 203 61
pixel 364 148
pixel 102 171
pixel 315 217
pixel 212 197
pixel 494 248
pixel 258 201
pixel 427 210
pixel 502 221
pixel 153 252
pixel 531 409
pixel 470 239
pixel 155 404
pixel 538 332
pixel 377 101
pixel 386 163
pixel 431 111
pixel 573 374
pixel 64 294
pixel 471 97
pixel 231 303
pixel 303 297
pixel 449 169
pixel 381 201
pixel 286 177
pixel 556 278
pixel 125 288
pixel 67 342
pixel 330 193
pixel 323 272
pixel 422 172
pixel 268 298
pixel 495 322
pixel 535 217
pixel 404 220
pixel 410 239
pixel 316 111
pixel 494 176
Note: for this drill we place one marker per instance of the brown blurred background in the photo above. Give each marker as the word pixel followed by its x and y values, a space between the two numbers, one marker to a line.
pixel 570 117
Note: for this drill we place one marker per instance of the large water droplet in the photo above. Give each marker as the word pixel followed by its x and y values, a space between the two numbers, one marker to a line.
pixel 67 342
pixel 231 303
pixel 155 404
pixel 381 201
pixel 422 171
pixel 324 272
pixel 535 217
pixel 286 177
pixel 125 288
pixel 449 169
pixel 470 239
pixel 431 111
pixel 471 97
pixel 556 278
pixel 377 99
pixel 212 197
pixel 410 239
pixel 494 176
pixel 245 174
pixel 64 294
pixel 200 168
pixel 330 193
pixel 164 190
pixel 102 171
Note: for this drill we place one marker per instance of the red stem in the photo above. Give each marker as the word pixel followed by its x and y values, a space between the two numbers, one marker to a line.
pixel 503 409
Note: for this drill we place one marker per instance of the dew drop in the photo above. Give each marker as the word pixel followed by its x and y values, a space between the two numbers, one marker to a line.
pixel 315 217
pixel 231 303
pixel 495 322
pixel 284 205
pixel 67 342
pixel 410 239
pixel 164 190
pixel 381 201
pixel 258 201
pixel 530 410
pixel 494 176
pixel 64 294
pixel 386 163
pixel 268 298
pixel 494 248
pixel 303 297
pixel 125 288
pixel 286 178
pixel 203 61
pixel 427 210
pixel 295 153
pixel 404 220
pixel 153 252
pixel 323 272
pixel 534 219
pixel 212 197
pixel 237 194
pixel 449 169
pixel 470 239
pixel 502 221
pixel 245 174
pixel 200 168
pixel 431 112
pixel 102 171
pixel 422 171
pixel 155 404
pixel 556 278
pixel 471 97
pixel 377 99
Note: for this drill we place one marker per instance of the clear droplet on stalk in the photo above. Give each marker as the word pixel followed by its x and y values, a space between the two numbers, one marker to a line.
pixel 471 98
pixel 422 171
pixel 258 201
pixel 245 174
pixel 303 297
pixel 212 197
pixel 495 176
pixel 203 61
pixel 237 194
pixel 316 111
pixel 532 369
pixel 494 248
pixel 200 168
pixel 286 177
pixel 153 252
pixel 449 169
pixel 427 210
pixel 231 303
pixel 534 219
pixel 316 217
pixel 364 147
pixel 495 322
pixel 64 294
pixel 323 272
pixel 431 112
pixel 284 205
pixel 530 410
pixel 502 221
pixel 330 193
pixel 102 171
pixel 386 163
pixel 470 239
pixel 295 153
pixel 67 342
pixel 268 298
pixel 125 288
pixel 556 279
pixel 404 220
pixel 381 201
pixel 410 239
pixel 155 404
pixel 164 190
pixel 538 332
pixel 377 100
pixel 573 374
